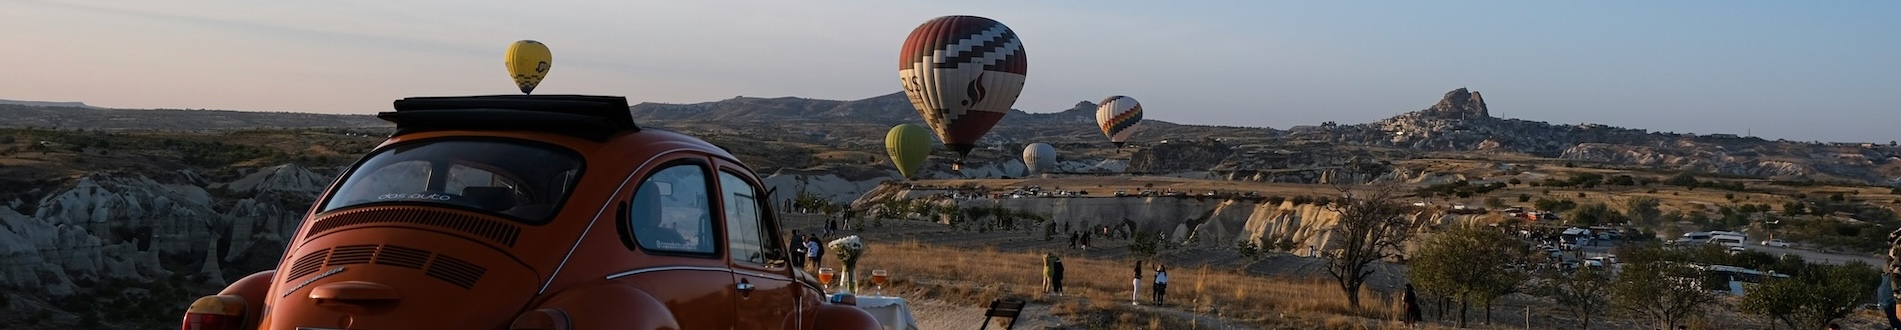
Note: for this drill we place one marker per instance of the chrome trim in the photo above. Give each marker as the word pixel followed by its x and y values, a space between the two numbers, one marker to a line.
pixel 764 276
pixel 597 217
pixel 667 268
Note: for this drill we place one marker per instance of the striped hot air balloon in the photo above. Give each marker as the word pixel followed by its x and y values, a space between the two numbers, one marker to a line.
pixel 1118 115
pixel 962 74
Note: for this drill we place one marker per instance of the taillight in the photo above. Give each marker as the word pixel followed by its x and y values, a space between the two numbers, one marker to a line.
pixel 541 319
pixel 220 312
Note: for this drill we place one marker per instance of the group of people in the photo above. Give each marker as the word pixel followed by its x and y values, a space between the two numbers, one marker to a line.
pixel 1053 280
pixel 1159 290
pixel 809 249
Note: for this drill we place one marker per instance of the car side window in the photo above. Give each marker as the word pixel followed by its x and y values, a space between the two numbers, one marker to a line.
pixel 670 211
pixel 746 232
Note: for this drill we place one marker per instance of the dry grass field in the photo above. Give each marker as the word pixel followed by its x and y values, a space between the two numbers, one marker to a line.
pixel 1097 292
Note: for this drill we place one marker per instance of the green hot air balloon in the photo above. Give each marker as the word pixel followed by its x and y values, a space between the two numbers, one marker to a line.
pixel 909 146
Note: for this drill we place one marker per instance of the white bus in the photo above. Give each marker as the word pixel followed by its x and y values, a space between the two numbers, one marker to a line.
pixel 1728 241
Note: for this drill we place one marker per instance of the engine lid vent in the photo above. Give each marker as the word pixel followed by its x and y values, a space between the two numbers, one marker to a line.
pixel 497 231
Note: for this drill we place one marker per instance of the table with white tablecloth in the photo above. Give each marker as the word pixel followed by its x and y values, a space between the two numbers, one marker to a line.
pixel 892 312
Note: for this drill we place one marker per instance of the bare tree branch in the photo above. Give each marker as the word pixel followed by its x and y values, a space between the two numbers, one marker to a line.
pixel 1372 226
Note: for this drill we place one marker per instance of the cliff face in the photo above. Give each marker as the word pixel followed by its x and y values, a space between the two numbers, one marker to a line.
pixel 841 184
pixel 108 227
pixel 1205 221
pixel 1179 156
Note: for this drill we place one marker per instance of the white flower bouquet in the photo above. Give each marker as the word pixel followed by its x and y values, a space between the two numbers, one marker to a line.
pixel 849 249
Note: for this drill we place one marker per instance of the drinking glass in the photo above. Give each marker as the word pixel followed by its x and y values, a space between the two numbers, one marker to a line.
pixel 825 275
pixel 879 278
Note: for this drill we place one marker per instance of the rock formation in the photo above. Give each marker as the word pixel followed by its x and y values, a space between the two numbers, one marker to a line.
pixel 133 227
pixel 1460 104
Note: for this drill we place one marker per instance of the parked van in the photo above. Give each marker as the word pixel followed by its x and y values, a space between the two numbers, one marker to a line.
pixel 1728 241
pixel 1695 237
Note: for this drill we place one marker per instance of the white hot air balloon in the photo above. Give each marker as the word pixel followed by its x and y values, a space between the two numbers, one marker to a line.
pixel 1039 158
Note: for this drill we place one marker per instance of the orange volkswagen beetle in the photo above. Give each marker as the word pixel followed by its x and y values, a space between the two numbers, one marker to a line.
pixel 533 212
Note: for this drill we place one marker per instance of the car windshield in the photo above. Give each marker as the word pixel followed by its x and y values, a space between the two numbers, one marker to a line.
pixel 523 180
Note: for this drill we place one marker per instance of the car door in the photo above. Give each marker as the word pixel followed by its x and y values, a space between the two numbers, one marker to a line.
pixel 766 297
pixel 673 218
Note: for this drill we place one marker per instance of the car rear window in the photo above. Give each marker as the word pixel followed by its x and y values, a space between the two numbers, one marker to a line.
pixel 521 180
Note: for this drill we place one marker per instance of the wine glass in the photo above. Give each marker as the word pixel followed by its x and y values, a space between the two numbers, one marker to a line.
pixel 825 275
pixel 879 278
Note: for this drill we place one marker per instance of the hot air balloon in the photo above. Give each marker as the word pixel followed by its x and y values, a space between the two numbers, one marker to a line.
pixel 909 145
pixel 1039 158
pixel 1118 115
pixel 962 74
pixel 528 62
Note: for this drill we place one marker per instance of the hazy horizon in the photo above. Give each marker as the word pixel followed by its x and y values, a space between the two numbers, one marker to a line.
pixel 1787 70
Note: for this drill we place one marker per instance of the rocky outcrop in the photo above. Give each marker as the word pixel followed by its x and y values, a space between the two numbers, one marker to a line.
pixel 1460 104
pixel 1687 159
pixel 1179 156
pixel 1213 222
pixel 133 227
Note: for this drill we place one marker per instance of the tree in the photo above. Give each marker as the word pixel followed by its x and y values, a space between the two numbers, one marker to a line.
pixel 1555 205
pixel 1594 213
pixel 1583 293
pixel 1371 227
pixel 1143 245
pixel 1794 208
pixel 1643 210
pixel 1466 264
pixel 1815 297
pixel 1622 180
pixel 1682 179
pixel 1652 285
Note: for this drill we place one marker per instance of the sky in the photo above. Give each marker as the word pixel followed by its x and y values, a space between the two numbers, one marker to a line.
pixel 1797 70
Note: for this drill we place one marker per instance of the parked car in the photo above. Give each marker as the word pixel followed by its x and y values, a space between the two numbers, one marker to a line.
pixel 1737 249
pixel 1776 243
pixel 534 212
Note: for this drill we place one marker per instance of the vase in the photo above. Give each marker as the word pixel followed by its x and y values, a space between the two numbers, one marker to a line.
pixel 849 276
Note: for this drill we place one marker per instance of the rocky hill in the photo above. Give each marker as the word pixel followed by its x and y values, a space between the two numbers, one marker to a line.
pixel 73 115
pixel 1460 122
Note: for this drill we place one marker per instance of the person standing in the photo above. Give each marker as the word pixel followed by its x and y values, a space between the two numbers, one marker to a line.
pixel 1072 240
pixel 1884 297
pixel 1161 283
pixel 1135 295
pixel 1049 272
pixel 1410 300
pixel 1056 276
pixel 1086 242
pixel 797 246
pixel 813 251
pixel 831 226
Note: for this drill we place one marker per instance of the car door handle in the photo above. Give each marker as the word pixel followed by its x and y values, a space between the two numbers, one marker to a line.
pixel 744 287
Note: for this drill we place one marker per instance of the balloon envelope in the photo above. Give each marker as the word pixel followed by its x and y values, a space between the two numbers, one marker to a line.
pixel 909 146
pixel 1039 158
pixel 1118 115
pixel 528 62
pixel 962 73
